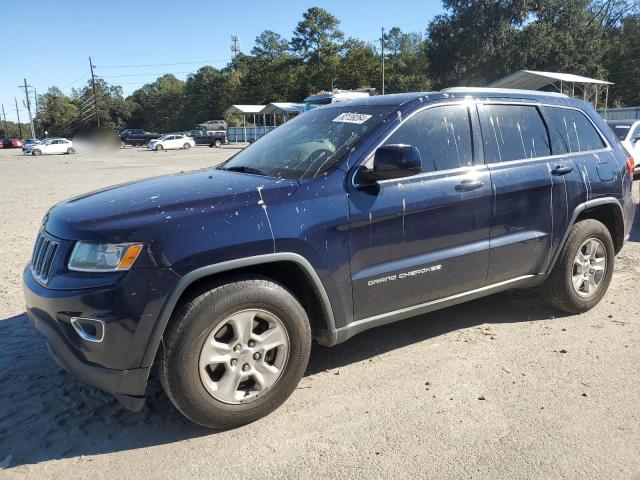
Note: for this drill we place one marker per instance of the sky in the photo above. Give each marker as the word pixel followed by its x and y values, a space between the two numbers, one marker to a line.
pixel 52 44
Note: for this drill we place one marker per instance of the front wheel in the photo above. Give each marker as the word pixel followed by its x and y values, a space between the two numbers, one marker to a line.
pixel 158 147
pixel 583 270
pixel 186 146
pixel 36 152
pixel 70 150
pixel 234 353
pixel 217 143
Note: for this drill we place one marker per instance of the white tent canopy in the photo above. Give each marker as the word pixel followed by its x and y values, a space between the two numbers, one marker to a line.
pixel 534 80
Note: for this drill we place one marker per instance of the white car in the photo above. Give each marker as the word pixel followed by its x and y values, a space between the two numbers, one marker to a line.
pixel 170 142
pixel 628 131
pixel 52 146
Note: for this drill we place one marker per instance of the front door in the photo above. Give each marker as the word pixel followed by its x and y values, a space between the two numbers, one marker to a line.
pixel 424 237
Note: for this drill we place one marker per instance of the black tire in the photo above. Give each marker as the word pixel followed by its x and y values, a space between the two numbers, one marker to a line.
pixel 195 320
pixel 186 146
pixel 217 143
pixel 558 290
pixel 71 150
pixel 36 152
pixel 158 147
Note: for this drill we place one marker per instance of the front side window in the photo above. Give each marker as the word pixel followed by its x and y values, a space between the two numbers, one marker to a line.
pixel 513 132
pixel 571 131
pixel 308 145
pixel 441 134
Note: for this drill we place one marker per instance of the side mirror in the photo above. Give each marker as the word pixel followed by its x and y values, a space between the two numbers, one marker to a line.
pixel 391 161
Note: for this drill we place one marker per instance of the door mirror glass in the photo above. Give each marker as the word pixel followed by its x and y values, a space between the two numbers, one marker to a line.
pixel 392 161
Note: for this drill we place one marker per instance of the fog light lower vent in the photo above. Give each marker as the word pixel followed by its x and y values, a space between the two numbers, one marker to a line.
pixel 89 329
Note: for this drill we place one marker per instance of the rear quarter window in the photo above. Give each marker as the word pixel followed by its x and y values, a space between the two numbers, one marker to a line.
pixel 572 131
pixel 513 132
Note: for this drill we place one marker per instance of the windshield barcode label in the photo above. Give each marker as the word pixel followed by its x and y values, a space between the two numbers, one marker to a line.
pixel 352 118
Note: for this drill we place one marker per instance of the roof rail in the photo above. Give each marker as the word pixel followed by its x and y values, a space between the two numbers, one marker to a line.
pixel 500 90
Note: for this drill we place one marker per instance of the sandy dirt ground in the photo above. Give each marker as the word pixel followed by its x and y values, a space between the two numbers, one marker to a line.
pixel 502 387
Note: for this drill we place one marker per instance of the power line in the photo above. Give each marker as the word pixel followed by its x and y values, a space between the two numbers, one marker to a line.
pixel 163 64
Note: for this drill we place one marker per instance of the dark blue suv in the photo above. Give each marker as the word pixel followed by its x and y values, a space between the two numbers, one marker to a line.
pixel 350 216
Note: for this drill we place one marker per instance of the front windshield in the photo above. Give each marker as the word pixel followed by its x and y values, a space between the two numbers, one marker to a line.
pixel 310 144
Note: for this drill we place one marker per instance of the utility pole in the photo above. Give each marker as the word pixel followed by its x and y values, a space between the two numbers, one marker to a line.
pixel 26 94
pixel 235 48
pixel 382 48
pixel 18 113
pixel 95 98
pixel 35 124
pixel 6 132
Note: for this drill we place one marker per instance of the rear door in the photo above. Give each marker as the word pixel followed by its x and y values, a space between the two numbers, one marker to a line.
pixel 425 237
pixel 529 196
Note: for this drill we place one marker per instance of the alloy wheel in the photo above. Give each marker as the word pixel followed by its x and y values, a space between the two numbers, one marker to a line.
pixel 589 267
pixel 244 356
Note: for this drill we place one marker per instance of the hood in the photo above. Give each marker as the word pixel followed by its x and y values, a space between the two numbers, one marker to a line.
pixel 132 211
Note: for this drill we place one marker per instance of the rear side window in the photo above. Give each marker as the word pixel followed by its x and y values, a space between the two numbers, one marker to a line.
pixel 513 132
pixel 441 134
pixel 571 131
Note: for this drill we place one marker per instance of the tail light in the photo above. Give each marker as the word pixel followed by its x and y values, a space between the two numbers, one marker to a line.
pixel 631 164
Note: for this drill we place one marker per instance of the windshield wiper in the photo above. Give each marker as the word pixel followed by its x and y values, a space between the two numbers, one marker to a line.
pixel 244 169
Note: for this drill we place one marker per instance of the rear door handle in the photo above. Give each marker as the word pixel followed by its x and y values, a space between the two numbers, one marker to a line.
pixel 468 185
pixel 560 170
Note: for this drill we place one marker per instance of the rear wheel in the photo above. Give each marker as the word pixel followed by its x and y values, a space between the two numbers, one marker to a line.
pixel 217 143
pixel 70 150
pixel 235 353
pixel 583 271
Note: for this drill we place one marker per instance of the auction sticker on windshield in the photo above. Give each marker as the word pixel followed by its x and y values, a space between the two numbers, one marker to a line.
pixel 347 117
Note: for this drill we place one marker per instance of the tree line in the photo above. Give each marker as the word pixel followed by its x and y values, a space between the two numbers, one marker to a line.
pixel 472 43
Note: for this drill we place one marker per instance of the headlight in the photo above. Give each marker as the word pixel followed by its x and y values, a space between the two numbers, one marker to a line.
pixel 103 257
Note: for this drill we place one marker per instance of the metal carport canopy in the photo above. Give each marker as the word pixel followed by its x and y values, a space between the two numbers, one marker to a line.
pixel 534 80
pixel 244 109
pixel 282 108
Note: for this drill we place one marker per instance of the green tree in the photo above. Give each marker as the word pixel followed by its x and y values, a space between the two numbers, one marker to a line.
pixel 159 105
pixel 57 113
pixel 270 44
pixel 316 40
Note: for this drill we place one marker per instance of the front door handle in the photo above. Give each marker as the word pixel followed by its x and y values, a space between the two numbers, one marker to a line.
pixel 560 170
pixel 468 185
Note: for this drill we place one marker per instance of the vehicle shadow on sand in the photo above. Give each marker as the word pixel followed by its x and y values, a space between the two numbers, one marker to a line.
pixel 46 414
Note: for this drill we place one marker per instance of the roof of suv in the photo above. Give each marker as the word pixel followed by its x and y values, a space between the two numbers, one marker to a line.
pixel 400 99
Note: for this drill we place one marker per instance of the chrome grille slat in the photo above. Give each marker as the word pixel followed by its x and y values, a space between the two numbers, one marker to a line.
pixel 43 256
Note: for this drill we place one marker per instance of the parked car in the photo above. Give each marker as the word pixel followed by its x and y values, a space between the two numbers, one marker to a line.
pixel 212 138
pixel 171 142
pixel 29 143
pixel 351 216
pixel 212 125
pixel 12 143
pixel 52 146
pixel 628 131
pixel 136 136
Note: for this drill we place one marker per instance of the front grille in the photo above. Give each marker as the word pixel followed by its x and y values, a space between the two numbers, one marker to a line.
pixel 43 255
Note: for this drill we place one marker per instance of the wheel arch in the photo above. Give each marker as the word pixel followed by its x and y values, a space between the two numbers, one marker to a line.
pixel 606 210
pixel 291 270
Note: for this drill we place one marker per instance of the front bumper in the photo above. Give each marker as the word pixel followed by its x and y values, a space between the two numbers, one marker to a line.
pixel 128 308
